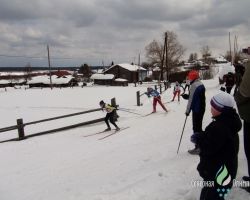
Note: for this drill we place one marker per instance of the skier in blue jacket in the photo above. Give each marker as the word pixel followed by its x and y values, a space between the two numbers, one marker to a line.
pixel 157 98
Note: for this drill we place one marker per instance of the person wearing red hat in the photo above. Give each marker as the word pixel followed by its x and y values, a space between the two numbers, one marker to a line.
pixel 196 104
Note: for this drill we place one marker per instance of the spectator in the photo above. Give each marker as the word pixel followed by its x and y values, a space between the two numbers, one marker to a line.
pixel 196 104
pixel 242 98
pixel 219 146
pixel 230 80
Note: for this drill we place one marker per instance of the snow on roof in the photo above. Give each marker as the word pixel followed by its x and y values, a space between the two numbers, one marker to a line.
pixel 121 80
pixel 12 73
pixel 102 76
pixel 46 80
pixel 4 81
pixel 129 67
pixel 220 59
pixel 156 69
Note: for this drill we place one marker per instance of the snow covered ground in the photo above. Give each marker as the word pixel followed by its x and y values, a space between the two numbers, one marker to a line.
pixel 139 163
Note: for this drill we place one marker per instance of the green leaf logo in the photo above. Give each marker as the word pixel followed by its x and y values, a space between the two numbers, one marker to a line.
pixel 223 178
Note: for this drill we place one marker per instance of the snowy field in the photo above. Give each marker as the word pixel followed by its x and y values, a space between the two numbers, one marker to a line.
pixel 139 163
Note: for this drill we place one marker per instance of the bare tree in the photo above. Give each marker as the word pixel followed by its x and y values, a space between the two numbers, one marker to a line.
pixel 27 72
pixel 172 49
pixel 192 57
pixel 85 70
pixel 154 52
pixel 206 53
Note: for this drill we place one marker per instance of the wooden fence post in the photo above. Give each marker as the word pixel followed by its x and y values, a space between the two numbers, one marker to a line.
pixel 138 98
pixel 20 129
pixel 160 89
pixel 113 104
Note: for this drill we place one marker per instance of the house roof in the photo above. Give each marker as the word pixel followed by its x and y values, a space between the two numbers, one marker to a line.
pixel 221 59
pixel 46 80
pixel 121 80
pixel 102 76
pixel 4 82
pixel 129 67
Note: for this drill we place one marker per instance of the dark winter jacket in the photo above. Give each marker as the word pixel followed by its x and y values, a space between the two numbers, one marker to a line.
pixel 229 79
pixel 196 99
pixel 242 97
pixel 220 145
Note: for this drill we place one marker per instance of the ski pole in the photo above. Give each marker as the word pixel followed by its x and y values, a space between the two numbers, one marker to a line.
pixel 121 108
pixel 182 134
pixel 130 112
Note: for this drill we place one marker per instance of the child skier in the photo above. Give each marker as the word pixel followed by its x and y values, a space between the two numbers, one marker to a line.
pixel 187 86
pixel 109 116
pixel 219 145
pixel 177 91
pixel 157 98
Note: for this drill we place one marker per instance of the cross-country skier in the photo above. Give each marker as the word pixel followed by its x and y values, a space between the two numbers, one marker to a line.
pixel 109 116
pixel 177 91
pixel 187 86
pixel 157 98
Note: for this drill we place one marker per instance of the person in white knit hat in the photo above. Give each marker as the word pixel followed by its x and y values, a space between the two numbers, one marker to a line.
pixel 222 101
pixel 219 146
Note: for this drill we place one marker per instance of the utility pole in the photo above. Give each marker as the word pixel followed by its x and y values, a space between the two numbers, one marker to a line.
pixel 163 56
pixel 139 68
pixel 167 67
pixel 230 51
pixel 49 67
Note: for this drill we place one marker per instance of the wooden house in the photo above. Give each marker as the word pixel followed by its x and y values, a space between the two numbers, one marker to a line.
pixel 44 81
pixel 132 73
pixel 103 79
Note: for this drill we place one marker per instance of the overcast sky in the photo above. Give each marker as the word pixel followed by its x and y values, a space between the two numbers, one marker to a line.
pixel 96 31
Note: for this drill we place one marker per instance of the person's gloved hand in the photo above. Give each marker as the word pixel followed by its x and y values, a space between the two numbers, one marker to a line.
pixel 185 96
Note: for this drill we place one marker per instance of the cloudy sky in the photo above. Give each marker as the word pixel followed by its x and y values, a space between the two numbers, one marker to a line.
pixel 102 31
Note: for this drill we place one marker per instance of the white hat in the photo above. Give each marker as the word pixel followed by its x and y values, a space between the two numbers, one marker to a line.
pixel 222 101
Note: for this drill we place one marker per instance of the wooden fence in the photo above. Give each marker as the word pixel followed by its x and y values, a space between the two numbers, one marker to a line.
pixel 20 125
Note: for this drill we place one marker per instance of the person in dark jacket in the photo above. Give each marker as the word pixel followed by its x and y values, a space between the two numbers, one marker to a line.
pixel 219 145
pixel 109 116
pixel 196 104
pixel 242 98
pixel 239 72
pixel 230 81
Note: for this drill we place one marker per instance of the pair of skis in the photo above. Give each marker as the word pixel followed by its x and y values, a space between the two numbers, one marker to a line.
pixel 111 132
pixel 154 113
